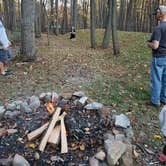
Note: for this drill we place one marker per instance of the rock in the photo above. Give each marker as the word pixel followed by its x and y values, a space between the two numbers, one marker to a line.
pixel 2 111
pixel 16 105
pixel 120 137
pixel 34 102
pixel 42 95
pixel 55 97
pixel 79 94
pixel 109 136
pixel 94 106
pixel 103 164
pixel 129 133
pixel 25 107
pixel 83 100
pixel 37 156
pixel 122 121
pixel 11 114
pixel 6 162
pixel 127 158
pixel 93 162
pixel 114 150
pixel 100 155
pixel 11 106
pixel 105 113
pixel 20 161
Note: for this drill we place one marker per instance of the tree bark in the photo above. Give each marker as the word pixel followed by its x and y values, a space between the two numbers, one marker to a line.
pixel 107 33
pixel 92 23
pixel 114 29
pixel 65 19
pixel 57 15
pixel 27 30
pixel 38 20
pixel 74 14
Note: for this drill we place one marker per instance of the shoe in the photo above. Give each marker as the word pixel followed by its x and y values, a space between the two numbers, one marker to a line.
pixel 8 70
pixel 6 74
pixel 162 102
pixel 149 103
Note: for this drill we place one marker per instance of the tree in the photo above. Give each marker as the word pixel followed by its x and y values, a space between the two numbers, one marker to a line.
pixel 37 19
pixel 92 23
pixel 74 14
pixel 114 29
pixel 107 33
pixel 65 18
pixel 27 30
pixel 57 15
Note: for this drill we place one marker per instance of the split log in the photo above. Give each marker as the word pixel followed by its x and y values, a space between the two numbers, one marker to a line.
pixel 34 134
pixel 49 130
pixel 54 138
pixel 64 148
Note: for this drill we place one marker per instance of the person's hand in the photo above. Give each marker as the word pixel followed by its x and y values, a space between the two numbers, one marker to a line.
pixel 5 48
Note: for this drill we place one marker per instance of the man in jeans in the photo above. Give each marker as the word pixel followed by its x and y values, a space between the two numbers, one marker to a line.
pixel 158 66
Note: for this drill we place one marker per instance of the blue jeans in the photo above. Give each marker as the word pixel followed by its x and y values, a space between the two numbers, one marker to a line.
pixel 158 80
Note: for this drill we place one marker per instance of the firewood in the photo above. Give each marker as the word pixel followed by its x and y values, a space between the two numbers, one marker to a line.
pixel 34 134
pixel 54 138
pixel 49 130
pixel 64 148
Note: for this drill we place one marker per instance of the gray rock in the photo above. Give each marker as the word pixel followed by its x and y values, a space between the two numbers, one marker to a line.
pixel 20 161
pixel 127 158
pixel 11 114
pixel 109 136
pixel 2 111
pixel 34 102
pixel 93 162
pixel 94 106
pixel 122 121
pixel 83 100
pixel 16 105
pixel 100 155
pixel 25 107
pixel 6 162
pixel 120 137
pixel 129 133
pixel 103 164
pixel 114 150
pixel 79 94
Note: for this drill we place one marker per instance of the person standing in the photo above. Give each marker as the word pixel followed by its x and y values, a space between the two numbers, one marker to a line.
pixel 5 51
pixel 157 43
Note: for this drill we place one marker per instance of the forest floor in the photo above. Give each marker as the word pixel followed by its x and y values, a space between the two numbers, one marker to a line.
pixel 120 82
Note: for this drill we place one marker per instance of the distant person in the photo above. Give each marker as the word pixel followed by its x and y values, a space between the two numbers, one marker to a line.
pixel 157 43
pixel 5 50
pixel 73 33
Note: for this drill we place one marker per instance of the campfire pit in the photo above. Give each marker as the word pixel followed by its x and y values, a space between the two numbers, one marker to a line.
pixel 84 133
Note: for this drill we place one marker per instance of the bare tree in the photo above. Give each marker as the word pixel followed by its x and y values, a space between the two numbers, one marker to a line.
pixel 93 23
pixel 114 29
pixel 107 33
pixel 27 30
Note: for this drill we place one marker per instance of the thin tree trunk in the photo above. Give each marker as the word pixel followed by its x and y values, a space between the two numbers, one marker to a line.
pixel 107 33
pixel 92 23
pixel 27 30
pixel 57 15
pixel 114 29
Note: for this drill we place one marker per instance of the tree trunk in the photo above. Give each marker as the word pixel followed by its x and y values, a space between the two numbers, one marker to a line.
pixel 12 16
pixel 114 29
pixel 65 19
pixel 107 33
pixel 38 20
pixel 27 30
pixel 92 23
pixel 57 15
pixel 74 14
